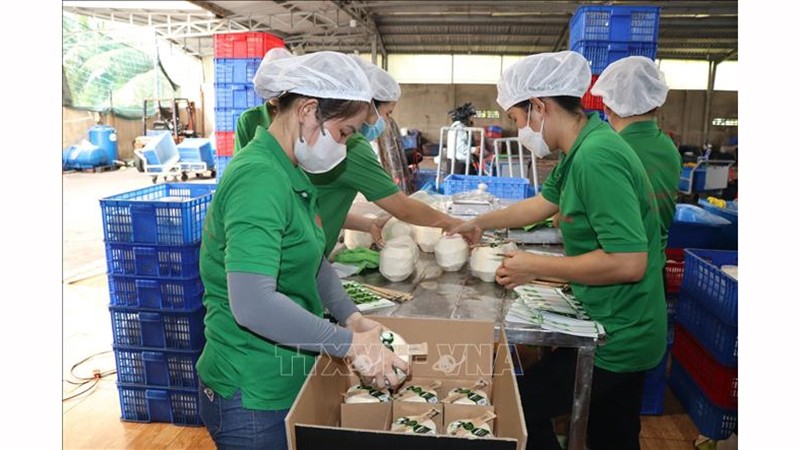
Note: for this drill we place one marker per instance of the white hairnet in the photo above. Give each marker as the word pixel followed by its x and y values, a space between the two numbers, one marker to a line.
pixel 272 55
pixel 320 74
pixel 544 75
pixel 632 86
pixel 384 87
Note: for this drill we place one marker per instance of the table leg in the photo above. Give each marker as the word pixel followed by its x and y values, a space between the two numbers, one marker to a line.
pixel 580 403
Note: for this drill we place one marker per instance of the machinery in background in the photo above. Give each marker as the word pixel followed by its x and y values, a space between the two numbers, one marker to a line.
pixel 177 115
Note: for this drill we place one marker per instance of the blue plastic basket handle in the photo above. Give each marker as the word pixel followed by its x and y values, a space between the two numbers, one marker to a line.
pixel 153 394
pixel 143 217
pixel 149 317
pixel 148 293
pixel 154 356
pixel 145 261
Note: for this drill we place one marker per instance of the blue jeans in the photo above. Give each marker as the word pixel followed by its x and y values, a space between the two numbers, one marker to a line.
pixel 232 426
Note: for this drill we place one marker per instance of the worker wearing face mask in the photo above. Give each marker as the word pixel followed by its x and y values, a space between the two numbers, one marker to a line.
pixel 361 172
pixel 633 89
pixel 612 242
pixel 261 259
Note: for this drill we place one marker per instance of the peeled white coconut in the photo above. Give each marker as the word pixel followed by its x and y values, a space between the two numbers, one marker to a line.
pixel 357 239
pixel 397 258
pixel 470 430
pixel 394 228
pixel 485 260
pixel 451 253
pixel 471 397
pixel 410 243
pixel 427 237
pixel 360 393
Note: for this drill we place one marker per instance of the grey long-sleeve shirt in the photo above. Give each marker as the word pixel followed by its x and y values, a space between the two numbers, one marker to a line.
pixel 258 306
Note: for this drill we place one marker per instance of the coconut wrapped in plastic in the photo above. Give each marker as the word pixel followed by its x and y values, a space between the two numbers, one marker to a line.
pixel 475 428
pixel 360 393
pixel 485 259
pixel 398 257
pixel 421 424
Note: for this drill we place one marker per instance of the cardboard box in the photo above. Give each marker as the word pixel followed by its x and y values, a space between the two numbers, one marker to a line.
pixel 459 351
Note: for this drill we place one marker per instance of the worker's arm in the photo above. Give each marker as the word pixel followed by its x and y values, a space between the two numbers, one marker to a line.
pixel 519 214
pixel 371 225
pixel 415 212
pixel 596 268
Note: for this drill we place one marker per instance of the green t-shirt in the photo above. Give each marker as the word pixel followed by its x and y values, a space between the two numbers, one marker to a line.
pixel 663 166
pixel 262 220
pixel 247 124
pixel 606 202
pixel 359 172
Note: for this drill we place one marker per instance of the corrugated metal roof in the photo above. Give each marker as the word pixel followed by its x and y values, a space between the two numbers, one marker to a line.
pixel 688 29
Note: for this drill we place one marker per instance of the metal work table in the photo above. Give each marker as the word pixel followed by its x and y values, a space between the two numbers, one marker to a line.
pixel 459 295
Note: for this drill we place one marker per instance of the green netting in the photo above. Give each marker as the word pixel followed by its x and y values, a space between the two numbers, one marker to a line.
pixel 106 74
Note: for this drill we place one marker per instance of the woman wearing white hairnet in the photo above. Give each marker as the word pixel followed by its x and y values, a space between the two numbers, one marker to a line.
pixel 261 259
pixel 361 172
pixel 613 259
pixel 633 89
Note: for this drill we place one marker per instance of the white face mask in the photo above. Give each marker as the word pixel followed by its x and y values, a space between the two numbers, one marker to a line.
pixel 321 157
pixel 532 140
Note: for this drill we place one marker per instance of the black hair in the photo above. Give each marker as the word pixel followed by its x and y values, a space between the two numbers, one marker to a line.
pixel 378 103
pixel 568 103
pixel 329 108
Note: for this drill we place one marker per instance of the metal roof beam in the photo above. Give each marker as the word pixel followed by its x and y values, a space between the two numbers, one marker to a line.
pixel 357 12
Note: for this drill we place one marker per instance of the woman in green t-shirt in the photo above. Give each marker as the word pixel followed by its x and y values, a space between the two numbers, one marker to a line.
pixel 261 260
pixel 613 261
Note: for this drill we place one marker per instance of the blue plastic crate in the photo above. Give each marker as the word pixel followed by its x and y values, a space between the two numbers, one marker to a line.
pixel 184 294
pixel 514 188
pixel 698 182
pixel 222 163
pixel 602 53
pixel 655 383
pixel 169 330
pixel 197 150
pixel 164 261
pixel 719 339
pixel 146 404
pixel 237 96
pixel 672 306
pixel 172 369
pixel 614 23
pixel 711 420
pixel 239 71
pixel 730 234
pixel 708 284
pixel 226 118
pixel 168 214
pixel 694 227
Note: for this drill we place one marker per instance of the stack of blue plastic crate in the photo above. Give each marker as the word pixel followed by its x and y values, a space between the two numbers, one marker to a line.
pixel 236 59
pixel 604 34
pixel 704 375
pixel 152 239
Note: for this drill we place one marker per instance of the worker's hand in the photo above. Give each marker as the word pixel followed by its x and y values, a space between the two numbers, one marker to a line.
pixel 376 229
pixel 358 323
pixel 374 362
pixel 451 224
pixel 518 268
pixel 556 219
pixel 469 230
